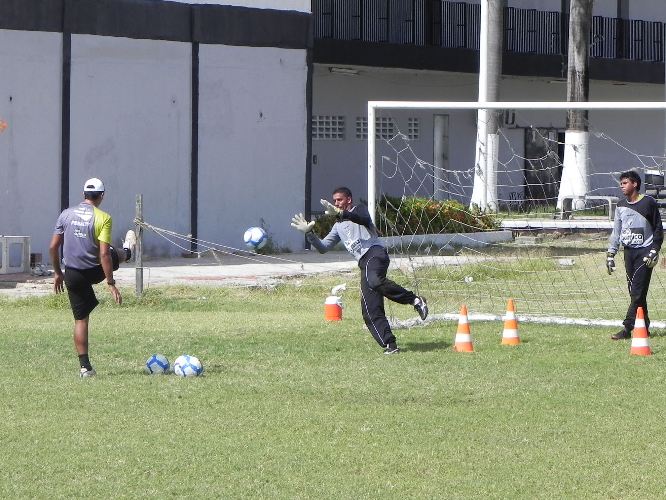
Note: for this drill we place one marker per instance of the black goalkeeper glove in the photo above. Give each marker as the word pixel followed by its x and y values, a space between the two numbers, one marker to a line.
pixel 610 262
pixel 651 258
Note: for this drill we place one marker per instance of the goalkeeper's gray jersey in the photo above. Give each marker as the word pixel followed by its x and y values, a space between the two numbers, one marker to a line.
pixel 354 228
pixel 637 225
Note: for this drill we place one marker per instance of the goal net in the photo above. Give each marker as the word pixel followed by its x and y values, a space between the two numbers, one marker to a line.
pixel 538 233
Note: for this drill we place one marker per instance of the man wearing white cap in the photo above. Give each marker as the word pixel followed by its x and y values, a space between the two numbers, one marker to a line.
pixel 84 234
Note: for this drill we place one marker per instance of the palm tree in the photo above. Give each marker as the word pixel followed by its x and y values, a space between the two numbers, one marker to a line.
pixel 575 181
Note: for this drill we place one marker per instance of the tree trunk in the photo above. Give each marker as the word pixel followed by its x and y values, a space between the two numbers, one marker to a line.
pixel 574 184
pixel 495 39
pixel 484 194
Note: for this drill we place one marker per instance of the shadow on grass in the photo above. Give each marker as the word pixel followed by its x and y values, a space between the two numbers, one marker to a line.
pixel 427 346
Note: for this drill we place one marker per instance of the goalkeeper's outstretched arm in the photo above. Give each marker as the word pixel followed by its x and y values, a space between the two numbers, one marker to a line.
pixel 358 214
pixel 328 243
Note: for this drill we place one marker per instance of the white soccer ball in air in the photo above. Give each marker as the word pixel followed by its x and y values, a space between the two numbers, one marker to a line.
pixel 157 364
pixel 255 238
pixel 187 366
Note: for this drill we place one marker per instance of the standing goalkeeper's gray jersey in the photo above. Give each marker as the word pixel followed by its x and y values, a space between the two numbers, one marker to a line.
pixel 637 225
pixel 639 229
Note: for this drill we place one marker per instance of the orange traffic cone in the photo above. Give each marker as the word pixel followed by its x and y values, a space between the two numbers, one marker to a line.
pixel 640 345
pixel 510 333
pixel 463 335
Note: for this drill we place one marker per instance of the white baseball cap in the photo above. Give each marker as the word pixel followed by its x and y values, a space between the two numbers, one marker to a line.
pixel 93 185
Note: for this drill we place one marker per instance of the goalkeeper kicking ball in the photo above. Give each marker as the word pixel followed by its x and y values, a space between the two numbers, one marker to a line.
pixel 255 238
pixel 157 364
pixel 187 366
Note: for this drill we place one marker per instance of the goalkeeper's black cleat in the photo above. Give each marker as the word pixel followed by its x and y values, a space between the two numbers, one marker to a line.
pixel 392 348
pixel 421 307
pixel 621 335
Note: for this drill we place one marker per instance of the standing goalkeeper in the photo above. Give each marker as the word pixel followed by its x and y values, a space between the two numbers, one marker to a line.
pixel 638 227
pixel 355 229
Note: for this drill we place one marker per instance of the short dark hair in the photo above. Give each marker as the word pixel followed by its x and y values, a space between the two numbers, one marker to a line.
pixel 633 176
pixel 92 195
pixel 344 190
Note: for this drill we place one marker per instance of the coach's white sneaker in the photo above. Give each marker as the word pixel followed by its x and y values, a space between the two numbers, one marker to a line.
pixel 85 373
pixel 129 243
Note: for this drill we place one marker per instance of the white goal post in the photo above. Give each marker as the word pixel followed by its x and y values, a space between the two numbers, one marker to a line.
pixel 373 106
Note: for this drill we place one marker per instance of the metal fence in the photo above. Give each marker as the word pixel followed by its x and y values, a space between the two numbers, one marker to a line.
pixel 456 25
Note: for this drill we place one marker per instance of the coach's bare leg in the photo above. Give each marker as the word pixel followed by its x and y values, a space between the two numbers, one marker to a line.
pixel 81 335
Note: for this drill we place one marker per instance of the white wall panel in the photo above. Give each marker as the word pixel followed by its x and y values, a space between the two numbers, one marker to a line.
pixel 30 97
pixel 130 126
pixel 252 143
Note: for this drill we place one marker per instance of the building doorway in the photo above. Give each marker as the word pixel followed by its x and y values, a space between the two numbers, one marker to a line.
pixel 544 150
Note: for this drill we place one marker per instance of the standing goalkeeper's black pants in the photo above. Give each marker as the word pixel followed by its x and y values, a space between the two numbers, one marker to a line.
pixel 374 287
pixel 638 282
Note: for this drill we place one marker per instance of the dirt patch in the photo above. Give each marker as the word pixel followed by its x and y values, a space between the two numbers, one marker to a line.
pixel 21 285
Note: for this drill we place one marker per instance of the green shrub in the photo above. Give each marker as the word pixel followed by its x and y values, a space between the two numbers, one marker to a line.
pixel 411 215
pixel 323 225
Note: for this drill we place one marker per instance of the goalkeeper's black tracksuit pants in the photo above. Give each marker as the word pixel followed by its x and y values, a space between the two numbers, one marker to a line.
pixel 374 287
pixel 638 282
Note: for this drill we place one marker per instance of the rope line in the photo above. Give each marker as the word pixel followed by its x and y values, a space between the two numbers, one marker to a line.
pixel 170 236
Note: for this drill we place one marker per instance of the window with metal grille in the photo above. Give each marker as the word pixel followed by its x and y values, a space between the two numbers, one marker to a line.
pixel 326 127
pixel 413 128
pixel 384 128
pixel 361 127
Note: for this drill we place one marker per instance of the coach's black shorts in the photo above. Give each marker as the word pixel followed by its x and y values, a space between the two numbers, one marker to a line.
pixel 79 284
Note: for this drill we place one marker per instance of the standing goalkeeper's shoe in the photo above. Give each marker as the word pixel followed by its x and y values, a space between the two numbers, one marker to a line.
pixel 421 307
pixel 621 335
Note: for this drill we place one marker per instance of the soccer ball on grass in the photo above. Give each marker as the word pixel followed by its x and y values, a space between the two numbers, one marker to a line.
pixel 255 238
pixel 187 366
pixel 157 364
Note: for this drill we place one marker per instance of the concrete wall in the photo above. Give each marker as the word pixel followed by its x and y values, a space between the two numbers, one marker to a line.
pixel 130 126
pixel 647 10
pixel 345 161
pixel 130 119
pixel 30 102
pixel 253 142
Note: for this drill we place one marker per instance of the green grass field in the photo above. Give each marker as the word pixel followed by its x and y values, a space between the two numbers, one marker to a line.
pixel 293 407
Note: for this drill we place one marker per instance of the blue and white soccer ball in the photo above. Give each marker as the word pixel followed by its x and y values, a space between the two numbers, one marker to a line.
pixel 157 364
pixel 255 238
pixel 187 366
